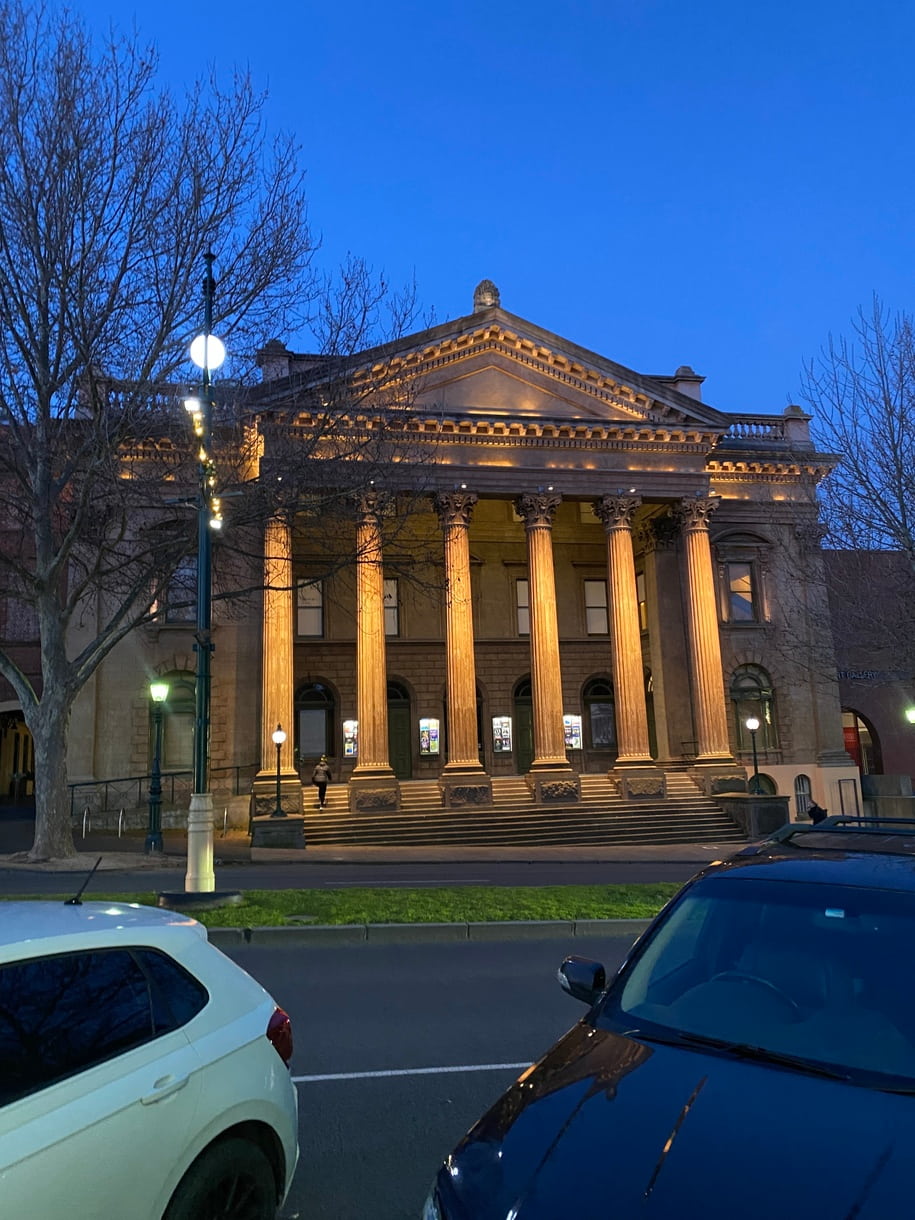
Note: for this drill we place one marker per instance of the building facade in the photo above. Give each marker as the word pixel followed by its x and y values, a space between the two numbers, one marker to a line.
pixel 603 574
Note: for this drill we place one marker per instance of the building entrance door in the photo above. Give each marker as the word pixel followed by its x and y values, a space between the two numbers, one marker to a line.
pixel 400 738
pixel 524 727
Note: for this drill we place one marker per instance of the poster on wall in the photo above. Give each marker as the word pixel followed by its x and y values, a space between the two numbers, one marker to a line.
pixel 428 735
pixel 501 734
pixel 350 738
pixel 571 727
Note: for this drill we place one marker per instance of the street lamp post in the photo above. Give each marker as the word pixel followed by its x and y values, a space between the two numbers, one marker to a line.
pixel 208 353
pixel 753 725
pixel 279 736
pixel 158 692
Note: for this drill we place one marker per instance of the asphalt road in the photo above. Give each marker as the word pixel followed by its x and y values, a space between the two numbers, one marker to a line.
pixel 379 1031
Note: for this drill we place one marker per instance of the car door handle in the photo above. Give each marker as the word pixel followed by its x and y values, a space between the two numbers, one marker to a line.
pixel 164 1087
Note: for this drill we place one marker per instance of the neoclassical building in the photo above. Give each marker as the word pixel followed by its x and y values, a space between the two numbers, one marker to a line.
pixel 604 575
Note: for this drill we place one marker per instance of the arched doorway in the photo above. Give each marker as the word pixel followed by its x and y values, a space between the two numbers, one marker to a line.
pixel 315 718
pixel 179 712
pixel 599 722
pixel 524 726
pixel 17 757
pixel 400 736
pixel 861 742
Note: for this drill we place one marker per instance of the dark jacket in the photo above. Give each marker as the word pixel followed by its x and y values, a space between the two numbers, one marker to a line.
pixel 321 774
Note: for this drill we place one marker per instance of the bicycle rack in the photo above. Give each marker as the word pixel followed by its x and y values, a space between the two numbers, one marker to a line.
pixel 225 822
pixel 87 820
pixel 120 821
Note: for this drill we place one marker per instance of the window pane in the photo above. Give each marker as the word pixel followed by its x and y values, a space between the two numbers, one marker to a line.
pixel 181 594
pixel 177 997
pixel 312 732
pixel 603 726
pixel 740 593
pixel 596 607
pixel 522 604
pixel 391 607
pixel 310 609
pixel 60 1015
pixel 178 741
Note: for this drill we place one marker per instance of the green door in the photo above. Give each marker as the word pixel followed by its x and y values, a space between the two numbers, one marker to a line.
pixel 400 737
pixel 524 735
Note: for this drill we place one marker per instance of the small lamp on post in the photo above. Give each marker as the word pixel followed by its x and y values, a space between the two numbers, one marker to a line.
pixel 279 736
pixel 158 692
pixel 752 726
pixel 910 714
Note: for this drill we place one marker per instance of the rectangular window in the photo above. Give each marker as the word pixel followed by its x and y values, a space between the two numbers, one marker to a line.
pixel 739 577
pixel 391 608
pixel 310 608
pixel 522 605
pixel 596 607
pixel 181 594
pixel 642 598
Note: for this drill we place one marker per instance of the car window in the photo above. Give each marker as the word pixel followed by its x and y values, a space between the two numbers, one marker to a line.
pixel 177 996
pixel 62 1014
pixel 807 970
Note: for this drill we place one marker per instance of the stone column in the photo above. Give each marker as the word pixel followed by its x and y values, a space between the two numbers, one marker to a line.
pixel 373 785
pixel 641 778
pixel 709 709
pixel 277 698
pixel 463 780
pixel 551 777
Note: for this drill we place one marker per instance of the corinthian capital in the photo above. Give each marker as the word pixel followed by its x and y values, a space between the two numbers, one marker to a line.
pixel 694 514
pixel 455 507
pixel 370 506
pixel 537 509
pixel 616 512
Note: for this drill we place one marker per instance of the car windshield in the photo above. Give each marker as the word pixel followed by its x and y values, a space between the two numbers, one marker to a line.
pixel 816 972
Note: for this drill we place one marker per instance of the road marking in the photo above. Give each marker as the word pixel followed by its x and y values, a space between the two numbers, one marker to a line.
pixel 430 1071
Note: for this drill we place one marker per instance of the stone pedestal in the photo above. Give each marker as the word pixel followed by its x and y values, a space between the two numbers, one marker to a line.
pixel 263 794
pixel 639 783
pixel 374 793
pixel 278 832
pixel 757 816
pixel 470 790
pixel 554 786
pixel 717 779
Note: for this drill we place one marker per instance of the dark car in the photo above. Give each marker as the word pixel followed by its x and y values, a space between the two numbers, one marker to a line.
pixel 754 1056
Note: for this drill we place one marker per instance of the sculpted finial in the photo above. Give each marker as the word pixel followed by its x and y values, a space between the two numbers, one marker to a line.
pixel 485 295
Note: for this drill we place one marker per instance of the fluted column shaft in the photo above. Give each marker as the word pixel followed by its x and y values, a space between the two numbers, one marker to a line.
pixel 277 696
pixel 617 513
pixel 709 710
pixel 537 512
pixel 455 512
pixel 371 670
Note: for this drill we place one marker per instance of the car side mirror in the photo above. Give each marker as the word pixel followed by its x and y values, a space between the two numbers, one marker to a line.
pixel 582 978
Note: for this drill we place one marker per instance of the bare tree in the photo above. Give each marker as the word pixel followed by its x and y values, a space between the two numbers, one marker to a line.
pixel 111 192
pixel 861 391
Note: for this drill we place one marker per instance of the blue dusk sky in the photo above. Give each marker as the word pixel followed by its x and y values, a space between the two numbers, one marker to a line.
pixel 714 183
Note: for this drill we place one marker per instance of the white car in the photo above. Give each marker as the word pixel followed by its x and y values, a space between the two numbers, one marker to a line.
pixel 143 1075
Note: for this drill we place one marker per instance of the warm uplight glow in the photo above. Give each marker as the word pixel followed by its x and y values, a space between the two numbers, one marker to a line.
pixel 208 351
pixel 158 691
pixel 752 724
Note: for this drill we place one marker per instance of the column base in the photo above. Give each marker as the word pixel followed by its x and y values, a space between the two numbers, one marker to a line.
pixel 717 777
pixel 278 832
pixel 263 794
pixel 467 788
pixel 554 786
pixel 638 781
pixel 374 793
pixel 200 878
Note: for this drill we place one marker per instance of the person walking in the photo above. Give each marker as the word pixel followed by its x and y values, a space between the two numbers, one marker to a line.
pixel 321 777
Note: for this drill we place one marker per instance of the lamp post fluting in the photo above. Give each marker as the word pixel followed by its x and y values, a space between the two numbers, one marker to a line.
pixel 279 736
pixel 753 725
pixel 158 692
pixel 208 353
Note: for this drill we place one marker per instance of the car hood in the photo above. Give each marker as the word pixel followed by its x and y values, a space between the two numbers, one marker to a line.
pixel 663 1131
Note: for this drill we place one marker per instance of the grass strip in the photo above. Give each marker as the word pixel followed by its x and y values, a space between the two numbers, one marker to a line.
pixel 458 904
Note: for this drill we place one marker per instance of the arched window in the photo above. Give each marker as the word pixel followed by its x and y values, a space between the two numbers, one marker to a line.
pixel 314 718
pixel 802 796
pixel 861 742
pixel 752 696
pixel 178 715
pixel 600 714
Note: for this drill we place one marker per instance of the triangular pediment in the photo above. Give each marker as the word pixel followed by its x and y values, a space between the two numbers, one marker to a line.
pixel 495 365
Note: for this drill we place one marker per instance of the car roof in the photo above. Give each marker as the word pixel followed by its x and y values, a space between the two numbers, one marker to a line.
pixel 45 927
pixel 837 851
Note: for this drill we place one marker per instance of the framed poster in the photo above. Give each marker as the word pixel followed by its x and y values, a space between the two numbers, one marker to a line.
pixel 571 727
pixel 350 738
pixel 428 736
pixel 502 734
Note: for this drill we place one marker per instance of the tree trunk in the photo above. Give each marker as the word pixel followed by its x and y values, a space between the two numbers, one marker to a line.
pixel 48 723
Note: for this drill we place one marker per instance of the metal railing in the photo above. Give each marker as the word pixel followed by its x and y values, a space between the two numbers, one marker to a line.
pixel 130 792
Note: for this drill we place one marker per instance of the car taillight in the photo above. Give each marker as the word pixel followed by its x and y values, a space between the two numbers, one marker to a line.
pixel 279 1031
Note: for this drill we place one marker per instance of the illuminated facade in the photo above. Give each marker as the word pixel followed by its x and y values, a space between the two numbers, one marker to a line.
pixel 607 577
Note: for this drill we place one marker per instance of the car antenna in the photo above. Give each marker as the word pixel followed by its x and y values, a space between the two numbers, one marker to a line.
pixel 77 899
